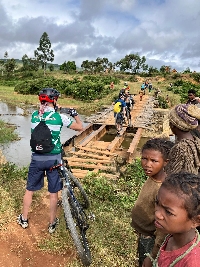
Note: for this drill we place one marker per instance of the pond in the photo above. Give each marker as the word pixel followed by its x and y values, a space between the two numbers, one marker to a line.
pixel 19 152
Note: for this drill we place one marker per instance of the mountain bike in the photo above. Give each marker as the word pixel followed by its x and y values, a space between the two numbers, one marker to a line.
pixel 74 202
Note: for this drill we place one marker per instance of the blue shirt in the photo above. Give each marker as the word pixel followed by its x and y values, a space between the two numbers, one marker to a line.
pixel 122 102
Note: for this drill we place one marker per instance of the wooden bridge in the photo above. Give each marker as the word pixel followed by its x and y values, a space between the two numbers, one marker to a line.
pixel 98 148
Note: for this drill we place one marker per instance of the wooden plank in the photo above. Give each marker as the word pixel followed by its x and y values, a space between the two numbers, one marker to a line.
pixel 93 166
pixel 117 141
pixel 133 145
pixel 95 135
pixel 96 151
pixel 75 159
pixel 79 170
pixel 84 154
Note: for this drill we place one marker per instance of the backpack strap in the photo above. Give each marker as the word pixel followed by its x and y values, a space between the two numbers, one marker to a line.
pixel 47 118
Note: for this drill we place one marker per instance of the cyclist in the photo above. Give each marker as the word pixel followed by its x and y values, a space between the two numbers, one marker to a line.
pixel 125 89
pixel 143 88
pixel 129 103
pixel 41 163
pixel 121 113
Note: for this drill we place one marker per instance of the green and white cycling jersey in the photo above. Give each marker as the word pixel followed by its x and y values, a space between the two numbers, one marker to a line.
pixel 55 122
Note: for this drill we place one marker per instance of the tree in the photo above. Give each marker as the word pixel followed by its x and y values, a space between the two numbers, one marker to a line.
pixel 68 66
pixel 6 55
pixel 2 63
pixel 152 71
pixel 10 66
pixel 187 70
pixel 44 53
pixel 89 65
pixel 133 63
pixel 2 66
pixel 30 64
pixel 51 67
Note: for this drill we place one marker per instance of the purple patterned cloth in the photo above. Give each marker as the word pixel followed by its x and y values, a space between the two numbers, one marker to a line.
pixel 182 112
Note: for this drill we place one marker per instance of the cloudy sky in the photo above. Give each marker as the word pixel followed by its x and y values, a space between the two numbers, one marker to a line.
pixel 166 32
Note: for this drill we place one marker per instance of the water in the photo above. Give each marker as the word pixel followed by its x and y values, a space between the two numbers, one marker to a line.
pixel 126 142
pixel 19 152
pixel 108 137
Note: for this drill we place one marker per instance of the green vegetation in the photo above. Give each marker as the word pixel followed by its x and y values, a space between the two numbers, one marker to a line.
pixel 86 89
pixel 181 88
pixel 7 133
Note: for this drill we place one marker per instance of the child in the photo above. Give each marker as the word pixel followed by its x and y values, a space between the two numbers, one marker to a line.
pixel 177 212
pixel 154 159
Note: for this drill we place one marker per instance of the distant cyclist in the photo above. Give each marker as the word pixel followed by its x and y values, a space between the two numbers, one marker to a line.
pixel 129 105
pixel 120 111
pixel 125 89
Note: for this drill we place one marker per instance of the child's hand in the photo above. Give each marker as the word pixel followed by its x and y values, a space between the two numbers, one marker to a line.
pixel 147 262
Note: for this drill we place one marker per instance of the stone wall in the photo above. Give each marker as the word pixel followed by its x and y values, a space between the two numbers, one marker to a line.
pixel 159 125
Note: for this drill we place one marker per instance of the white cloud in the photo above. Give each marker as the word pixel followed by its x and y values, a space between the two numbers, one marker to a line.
pixel 166 32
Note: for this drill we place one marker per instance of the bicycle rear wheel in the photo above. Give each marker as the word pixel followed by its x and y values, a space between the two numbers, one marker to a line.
pixel 77 223
pixel 78 190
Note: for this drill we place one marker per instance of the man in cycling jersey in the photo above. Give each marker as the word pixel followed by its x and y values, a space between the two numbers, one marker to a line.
pixel 41 163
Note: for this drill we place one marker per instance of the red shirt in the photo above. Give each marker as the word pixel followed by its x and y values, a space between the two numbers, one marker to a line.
pixel 192 259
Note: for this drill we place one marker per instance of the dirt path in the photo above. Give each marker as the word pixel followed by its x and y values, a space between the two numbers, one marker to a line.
pixel 18 246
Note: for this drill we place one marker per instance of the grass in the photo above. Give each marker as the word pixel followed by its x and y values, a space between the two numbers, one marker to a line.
pixel 7 133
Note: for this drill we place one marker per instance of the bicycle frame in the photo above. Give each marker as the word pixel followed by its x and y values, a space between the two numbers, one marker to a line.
pixel 75 216
pixel 67 184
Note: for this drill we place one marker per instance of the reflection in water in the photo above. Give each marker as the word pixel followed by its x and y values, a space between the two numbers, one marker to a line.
pixel 19 152
pixel 10 109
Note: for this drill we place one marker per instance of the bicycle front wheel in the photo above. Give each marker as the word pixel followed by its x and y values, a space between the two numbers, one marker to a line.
pixel 77 224
pixel 78 190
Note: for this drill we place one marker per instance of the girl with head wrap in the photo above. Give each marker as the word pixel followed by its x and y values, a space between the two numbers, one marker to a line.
pixel 185 154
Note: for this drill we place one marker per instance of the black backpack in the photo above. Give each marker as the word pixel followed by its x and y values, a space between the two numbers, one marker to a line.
pixel 41 139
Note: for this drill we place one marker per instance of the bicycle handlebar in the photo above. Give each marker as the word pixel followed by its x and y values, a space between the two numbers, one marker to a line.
pixel 68 142
pixel 65 110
